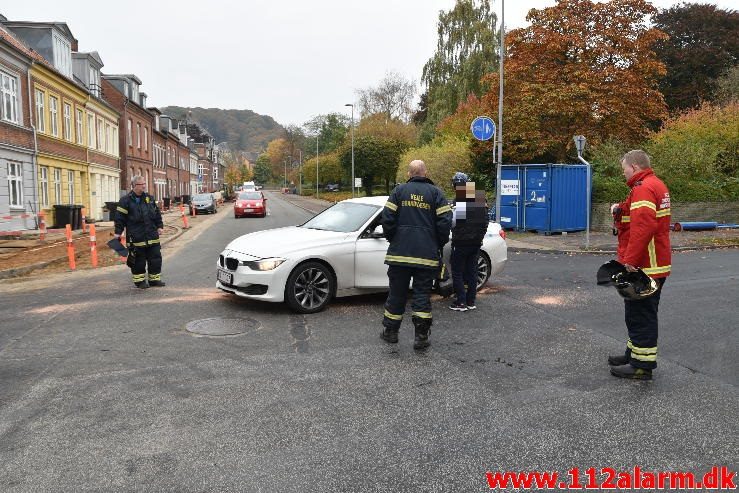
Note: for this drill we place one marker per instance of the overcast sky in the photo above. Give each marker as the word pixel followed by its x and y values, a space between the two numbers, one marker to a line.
pixel 290 59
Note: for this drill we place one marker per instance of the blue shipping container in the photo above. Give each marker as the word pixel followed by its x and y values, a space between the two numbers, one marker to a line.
pixel 545 198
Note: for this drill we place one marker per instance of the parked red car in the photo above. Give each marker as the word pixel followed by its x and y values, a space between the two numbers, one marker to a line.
pixel 250 204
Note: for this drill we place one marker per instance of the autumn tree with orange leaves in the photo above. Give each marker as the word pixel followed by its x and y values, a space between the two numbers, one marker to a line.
pixel 581 67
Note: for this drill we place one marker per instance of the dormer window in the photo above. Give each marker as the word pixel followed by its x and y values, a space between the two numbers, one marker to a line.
pixel 94 81
pixel 125 89
pixel 135 92
pixel 62 55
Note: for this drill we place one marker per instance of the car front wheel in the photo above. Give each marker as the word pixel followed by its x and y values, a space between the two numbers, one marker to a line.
pixel 309 288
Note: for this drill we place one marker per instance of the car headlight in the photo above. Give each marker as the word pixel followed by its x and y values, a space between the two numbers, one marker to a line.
pixel 264 264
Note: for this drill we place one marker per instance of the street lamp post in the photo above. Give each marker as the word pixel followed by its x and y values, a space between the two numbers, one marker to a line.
pixel 352 130
pixel 317 164
pixel 284 183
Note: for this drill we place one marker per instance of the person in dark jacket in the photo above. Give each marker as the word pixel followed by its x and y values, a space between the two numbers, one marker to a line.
pixel 416 220
pixel 139 215
pixel 469 225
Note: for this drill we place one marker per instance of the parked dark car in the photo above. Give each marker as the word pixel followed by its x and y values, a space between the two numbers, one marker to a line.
pixel 332 187
pixel 204 202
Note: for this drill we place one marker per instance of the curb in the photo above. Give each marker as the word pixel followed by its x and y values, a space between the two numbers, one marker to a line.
pixel 20 271
pixel 613 252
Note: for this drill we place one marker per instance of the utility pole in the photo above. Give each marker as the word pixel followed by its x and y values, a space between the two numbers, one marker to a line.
pixel 500 113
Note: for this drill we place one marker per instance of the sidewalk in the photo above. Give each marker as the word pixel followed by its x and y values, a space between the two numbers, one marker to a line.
pixel 23 254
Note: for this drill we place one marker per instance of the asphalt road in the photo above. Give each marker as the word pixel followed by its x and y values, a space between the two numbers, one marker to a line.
pixel 103 389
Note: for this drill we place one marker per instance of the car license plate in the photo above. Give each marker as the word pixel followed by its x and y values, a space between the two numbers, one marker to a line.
pixel 248 210
pixel 225 277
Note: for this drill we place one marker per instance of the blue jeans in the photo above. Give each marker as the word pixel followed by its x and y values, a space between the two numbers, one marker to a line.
pixel 464 271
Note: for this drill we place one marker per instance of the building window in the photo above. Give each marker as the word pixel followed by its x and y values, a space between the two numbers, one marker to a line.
pixel 130 137
pixel 54 115
pixel 9 94
pixel 146 139
pixel 67 121
pixel 62 56
pixel 114 141
pixel 101 139
pixel 91 131
pixel 138 135
pixel 201 170
pixel 40 113
pixel 44 181
pixel 80 125
pixel 215 173
pixel 57 186
pixel 107 138
pixel 15 184
pixel 94 82
pixel 70 185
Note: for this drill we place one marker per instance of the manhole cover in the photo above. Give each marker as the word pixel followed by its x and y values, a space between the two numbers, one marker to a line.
pixel 222 326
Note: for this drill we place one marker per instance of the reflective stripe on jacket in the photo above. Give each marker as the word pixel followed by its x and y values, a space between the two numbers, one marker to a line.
pixel 644 229
pixel 140 221
pixel 416 220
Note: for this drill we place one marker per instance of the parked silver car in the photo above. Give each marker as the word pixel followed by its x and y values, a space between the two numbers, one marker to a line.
pixel 204 202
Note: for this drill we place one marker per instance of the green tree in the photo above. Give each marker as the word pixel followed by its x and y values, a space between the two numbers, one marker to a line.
pixel 465 52
pixel 727 86
pixel 262 169
pixel 703 44
pixel 375 159
pixel 331 130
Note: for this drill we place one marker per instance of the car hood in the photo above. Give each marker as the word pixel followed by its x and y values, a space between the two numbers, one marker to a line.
pixel 281 242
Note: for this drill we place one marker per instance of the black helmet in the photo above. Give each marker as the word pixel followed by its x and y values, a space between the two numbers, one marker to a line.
pixel 460 178
pixel 630 285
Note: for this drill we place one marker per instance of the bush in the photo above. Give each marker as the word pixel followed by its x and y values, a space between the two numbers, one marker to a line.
pixel 443 156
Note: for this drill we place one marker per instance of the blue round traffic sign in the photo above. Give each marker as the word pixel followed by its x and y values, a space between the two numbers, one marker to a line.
pixel 483 128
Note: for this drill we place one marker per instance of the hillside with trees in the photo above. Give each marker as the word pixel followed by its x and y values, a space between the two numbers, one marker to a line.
pixel 244 130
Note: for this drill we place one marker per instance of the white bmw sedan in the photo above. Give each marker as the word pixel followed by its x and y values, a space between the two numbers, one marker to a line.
pixel 340 252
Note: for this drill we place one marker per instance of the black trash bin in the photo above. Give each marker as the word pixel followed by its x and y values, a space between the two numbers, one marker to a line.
pixel 76 216
pixel 63 215
pixel 166 202
pixel 185 199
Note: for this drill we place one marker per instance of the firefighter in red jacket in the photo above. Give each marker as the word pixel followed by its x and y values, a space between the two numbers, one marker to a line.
pixel 643 224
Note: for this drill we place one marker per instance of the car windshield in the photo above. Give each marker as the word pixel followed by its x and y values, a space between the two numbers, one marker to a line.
pixel 250 196
pixel 344 217
pixel 202 196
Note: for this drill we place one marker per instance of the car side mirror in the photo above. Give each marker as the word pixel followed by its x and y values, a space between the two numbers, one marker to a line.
pixel 377 233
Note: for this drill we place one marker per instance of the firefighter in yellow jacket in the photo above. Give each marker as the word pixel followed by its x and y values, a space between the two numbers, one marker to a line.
pixel 139 215
pixel 416 220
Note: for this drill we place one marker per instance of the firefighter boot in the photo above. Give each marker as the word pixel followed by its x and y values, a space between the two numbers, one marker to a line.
pixel 619 360
pixel 141 285
pixel 628 371
pixel 389 335
pixel 157 283
pixel 423 331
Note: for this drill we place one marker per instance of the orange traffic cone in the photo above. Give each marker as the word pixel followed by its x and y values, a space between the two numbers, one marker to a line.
pixel 70 247
pixel 42 225
pixel 93 247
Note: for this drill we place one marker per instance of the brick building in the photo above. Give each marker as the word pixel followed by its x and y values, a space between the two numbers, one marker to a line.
pixel 73 126
pixel 136 123
pixel 17 167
